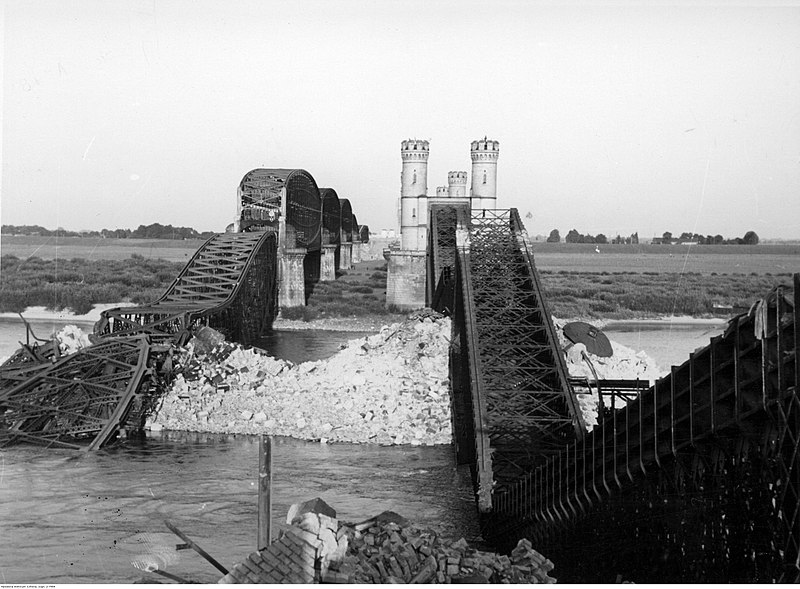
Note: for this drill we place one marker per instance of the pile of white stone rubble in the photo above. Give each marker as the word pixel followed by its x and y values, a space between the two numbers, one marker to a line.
pixel 625 363
pixel 389 388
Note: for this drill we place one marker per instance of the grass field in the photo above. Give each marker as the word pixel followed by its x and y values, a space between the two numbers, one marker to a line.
pixel 619 282
pixel 673 259
pixel 575 257
pixel 65 248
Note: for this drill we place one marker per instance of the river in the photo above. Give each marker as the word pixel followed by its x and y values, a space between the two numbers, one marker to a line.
pixel 85 518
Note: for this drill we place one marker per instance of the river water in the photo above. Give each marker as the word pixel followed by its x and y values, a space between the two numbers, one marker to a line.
pixel 86 518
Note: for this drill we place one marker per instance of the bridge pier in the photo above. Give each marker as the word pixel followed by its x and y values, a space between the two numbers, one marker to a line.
pixel 346 256
pixel 355 254
pixel 292 280
pixel 327 263
pixel 406 281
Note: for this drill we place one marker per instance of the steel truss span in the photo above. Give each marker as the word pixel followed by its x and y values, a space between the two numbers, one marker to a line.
pixel 695 479
pixel 230 284
pixel 510 389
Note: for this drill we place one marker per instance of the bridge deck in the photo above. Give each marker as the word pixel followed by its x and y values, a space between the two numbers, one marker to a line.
pixel 516 400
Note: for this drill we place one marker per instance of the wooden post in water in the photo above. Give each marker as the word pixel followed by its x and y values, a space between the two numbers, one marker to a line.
pixel 264 492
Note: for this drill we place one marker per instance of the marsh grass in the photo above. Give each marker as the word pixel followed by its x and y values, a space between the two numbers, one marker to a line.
pixel 78 284
pixel 626 295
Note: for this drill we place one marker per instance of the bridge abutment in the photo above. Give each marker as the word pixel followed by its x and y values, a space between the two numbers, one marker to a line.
pixel 292 279
pixel 406 283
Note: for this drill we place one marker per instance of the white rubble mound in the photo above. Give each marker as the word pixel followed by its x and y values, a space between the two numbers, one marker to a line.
pixel 625 363
pixel 71 339
pixel 389 388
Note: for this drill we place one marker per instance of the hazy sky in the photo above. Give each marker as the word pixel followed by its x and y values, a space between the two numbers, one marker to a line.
pixel 611 117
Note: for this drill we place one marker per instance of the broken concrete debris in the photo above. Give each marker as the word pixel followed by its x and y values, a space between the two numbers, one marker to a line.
pixel 389 388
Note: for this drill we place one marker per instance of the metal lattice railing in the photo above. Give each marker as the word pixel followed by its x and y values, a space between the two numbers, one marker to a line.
pixel 696 480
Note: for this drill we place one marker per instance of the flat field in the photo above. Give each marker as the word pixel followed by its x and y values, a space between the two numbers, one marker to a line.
pixel 621 281
pixel 94 248
pixel 671 259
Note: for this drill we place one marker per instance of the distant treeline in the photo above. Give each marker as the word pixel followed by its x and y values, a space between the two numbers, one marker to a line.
pixel 153 231
pixel 749 238
pixel 574 237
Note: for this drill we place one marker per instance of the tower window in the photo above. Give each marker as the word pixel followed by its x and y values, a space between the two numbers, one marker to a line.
pixel 484 176
pixel 414 180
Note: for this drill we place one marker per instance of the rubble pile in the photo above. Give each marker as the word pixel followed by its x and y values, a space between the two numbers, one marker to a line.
pixel 71 339
pixel 625 363
pixel 389 388
pixel 389 549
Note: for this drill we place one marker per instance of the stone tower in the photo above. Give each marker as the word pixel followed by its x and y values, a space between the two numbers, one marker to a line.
pixel 484 153
pixel 442 191
pixel 414 194
pixel 457 184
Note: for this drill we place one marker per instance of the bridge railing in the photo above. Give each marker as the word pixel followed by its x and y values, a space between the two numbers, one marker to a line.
pixel 697 479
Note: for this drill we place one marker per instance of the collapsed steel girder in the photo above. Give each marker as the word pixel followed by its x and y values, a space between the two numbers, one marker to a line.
pixel 81 400
pixel 230 284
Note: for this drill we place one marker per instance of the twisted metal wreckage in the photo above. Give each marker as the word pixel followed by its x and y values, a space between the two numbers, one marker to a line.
pixel 84 399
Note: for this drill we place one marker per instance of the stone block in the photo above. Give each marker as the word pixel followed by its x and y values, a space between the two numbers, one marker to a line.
pixel 406 280
pixel 316 505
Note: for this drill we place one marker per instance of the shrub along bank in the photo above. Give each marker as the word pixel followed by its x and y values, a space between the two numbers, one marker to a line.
pixel 79 284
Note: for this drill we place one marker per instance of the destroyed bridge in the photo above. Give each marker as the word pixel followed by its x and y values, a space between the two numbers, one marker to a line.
pixel 695 478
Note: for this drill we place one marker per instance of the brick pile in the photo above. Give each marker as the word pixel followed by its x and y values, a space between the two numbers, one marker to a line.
pixel 387 549
pixel 384 549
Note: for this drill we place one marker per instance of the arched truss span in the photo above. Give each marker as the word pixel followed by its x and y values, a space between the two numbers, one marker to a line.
pixel 260 193
pixel 331 216
pixel 347 220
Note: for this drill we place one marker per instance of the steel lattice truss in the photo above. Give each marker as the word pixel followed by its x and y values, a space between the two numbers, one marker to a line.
pixel 346 220
pixel 444 222
pixel 81 400
pixel 27 361
pixel 697 480
pixel 260 200
pixel 331 216
pixel 229 284
pixel 521 400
